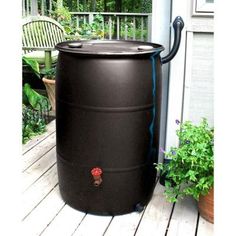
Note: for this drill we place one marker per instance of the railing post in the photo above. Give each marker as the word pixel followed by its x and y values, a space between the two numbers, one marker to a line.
pixel 118 27
pixel 59 3
pixel 149 28
pixel 90 19
pixel 23 8
pixel 34 7
pixel 126 27
pixel 142 38
pixel 134 28
pixel 50 7
pixel 103 26
pixel 27 7
pixel 110 27
pixel 42 8
pixel 77 21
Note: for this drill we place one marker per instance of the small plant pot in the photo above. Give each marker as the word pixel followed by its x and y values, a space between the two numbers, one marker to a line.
pixel 206 206
pixel 50 87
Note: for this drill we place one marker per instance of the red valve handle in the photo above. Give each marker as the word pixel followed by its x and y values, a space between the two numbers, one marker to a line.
pixel 96 171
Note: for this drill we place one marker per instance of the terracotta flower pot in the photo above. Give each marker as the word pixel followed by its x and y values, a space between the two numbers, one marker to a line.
pixel 206 206
pixel 50 87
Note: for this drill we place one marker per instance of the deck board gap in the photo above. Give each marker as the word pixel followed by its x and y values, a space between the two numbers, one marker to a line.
pixel 167 227
pixel 52 220
pixel 140 220
pixel 39 202
pixel 41 156
pixel 35 154
pixel 157 180
pixel 198 217
pixel 37 142
pixel 40 176
pixel 79 224
pixel 143 213
pixel 108 225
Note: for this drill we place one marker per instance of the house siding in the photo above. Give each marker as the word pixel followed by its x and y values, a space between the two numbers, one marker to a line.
pixel 191 82
pixel 201 85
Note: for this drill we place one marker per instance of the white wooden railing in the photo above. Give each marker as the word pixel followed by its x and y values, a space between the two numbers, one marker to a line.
pixel 116 25
pixel 133 26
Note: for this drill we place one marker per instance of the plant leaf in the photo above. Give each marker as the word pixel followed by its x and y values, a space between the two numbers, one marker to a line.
pixel 33 65
pixel 37 101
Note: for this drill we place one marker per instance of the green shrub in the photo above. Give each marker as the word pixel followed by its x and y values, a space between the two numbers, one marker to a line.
pixel 191 169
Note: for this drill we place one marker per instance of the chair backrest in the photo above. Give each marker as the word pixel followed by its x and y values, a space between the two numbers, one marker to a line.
pixel 41 31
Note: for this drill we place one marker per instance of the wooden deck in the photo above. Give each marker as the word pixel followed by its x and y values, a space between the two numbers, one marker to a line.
pixel 45 213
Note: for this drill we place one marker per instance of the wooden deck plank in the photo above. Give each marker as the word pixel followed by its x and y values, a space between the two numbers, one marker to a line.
pixel 51 127
pixel 156 215
pixel 205 228
pixel 65 223
pixel 38 168
pixel 93 225
pixel 38 151
pixel 43 214
pixel 124 224
pixel 39 190
pixel 184 218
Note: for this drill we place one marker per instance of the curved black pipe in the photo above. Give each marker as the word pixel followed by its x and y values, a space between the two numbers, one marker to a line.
pixel 178 25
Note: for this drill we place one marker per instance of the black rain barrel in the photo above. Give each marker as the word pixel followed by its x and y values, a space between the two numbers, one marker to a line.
pixel 108 97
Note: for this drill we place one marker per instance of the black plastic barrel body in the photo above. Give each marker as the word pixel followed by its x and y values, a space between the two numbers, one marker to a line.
pixel 105 118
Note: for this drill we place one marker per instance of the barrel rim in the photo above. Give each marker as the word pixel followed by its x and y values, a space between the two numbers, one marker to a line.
pixel 63 48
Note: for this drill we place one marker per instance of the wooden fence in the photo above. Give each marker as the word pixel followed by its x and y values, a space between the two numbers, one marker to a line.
pixel 116 25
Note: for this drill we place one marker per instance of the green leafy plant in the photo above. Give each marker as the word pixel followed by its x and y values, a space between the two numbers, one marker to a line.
pixel 32 64
pixel 191 169
pixel 32 123
pixel 33 106
pixel 29 95
pixel 95 30
pixel 50 73
pixel 36 100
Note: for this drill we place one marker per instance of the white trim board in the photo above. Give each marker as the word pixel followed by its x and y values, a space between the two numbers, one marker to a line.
pixel 177 67
pixel 161 23
pixel 188 74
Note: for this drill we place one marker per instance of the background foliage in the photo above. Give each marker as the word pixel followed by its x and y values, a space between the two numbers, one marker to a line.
pixel 99 28
pixel 136 6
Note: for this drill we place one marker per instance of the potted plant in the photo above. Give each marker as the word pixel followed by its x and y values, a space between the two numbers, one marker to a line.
pixel 190 171
pixel 49 82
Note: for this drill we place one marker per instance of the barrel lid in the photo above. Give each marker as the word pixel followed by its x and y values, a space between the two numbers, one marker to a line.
pixel 109 47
